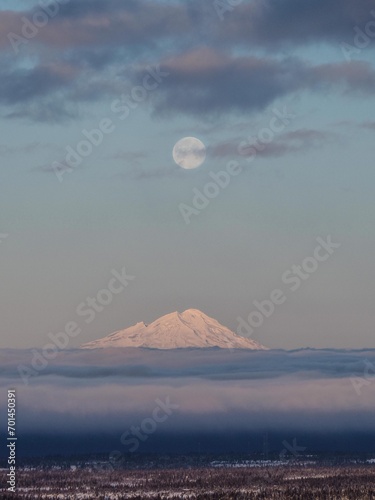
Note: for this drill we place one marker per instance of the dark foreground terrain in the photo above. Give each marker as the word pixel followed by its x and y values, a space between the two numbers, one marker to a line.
pixel 216 482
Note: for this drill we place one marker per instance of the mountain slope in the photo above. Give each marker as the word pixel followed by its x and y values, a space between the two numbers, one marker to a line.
pixel 192 328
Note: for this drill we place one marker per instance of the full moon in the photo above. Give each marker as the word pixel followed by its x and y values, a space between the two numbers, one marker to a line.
pixel 189 153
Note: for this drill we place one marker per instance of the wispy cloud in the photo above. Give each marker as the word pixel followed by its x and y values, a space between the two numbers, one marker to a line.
pixel 368 125
pixel 289 142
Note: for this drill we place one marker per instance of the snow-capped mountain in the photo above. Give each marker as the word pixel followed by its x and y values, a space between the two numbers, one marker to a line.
pixel 192 328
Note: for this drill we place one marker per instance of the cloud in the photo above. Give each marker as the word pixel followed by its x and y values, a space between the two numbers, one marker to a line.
pixel 209 364
pixel 97 44
pixel 138 172
pixel 289 404
pixel 37 92
pixel 289 142
pixel 205 82
pixel 99 392
pixel 354 77
pixel 114 23
pixel 304 390
pixel 137 24
pixel 22 85
pixel 129 156
pixel 26 148
pixel 274 24
pixel 368 125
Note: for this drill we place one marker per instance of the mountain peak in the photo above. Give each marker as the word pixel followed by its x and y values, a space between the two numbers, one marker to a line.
pixel 191 328
pixel 192 313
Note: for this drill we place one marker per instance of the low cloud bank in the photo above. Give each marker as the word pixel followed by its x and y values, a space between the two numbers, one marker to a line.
pixel 213 390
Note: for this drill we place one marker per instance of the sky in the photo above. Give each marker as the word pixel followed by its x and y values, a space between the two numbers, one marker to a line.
pixel 281 94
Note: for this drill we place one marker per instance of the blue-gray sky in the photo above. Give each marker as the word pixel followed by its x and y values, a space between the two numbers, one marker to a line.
pixel 219 76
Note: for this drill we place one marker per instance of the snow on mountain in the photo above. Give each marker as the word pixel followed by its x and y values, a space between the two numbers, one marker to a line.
pixel 192 328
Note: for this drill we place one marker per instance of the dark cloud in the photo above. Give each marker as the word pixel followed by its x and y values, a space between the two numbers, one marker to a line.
pixel 261 23
pixel 98 24
pixel 86 53
pixel 208 82
pixel 202 83
pixel 272 23
pixel 22 85
pixel 38 92
pixel 217 364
